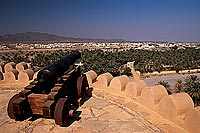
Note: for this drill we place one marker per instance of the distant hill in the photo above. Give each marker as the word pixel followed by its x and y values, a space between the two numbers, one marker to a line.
pixel 37 37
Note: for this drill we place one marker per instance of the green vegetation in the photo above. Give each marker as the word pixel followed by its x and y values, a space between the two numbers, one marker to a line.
pixel 191 86
pixel 145 60
pixel 178 87
pixel 113 62
pixel 38 59
pixel 166 85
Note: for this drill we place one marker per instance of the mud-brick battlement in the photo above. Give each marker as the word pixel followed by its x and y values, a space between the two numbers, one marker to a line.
pixel 15 73
pixel 177 109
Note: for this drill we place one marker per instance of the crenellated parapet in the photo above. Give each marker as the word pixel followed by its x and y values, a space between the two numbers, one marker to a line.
pixel 15 73
pixel 178 109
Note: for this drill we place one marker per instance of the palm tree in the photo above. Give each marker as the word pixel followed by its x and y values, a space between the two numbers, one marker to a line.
pixel 166 85
pixel 178 87
pixel 192 87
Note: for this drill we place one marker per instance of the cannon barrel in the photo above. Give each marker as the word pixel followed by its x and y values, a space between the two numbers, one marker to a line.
pixel 58 68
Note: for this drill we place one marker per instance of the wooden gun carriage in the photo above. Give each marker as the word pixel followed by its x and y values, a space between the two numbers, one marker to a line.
pixel 53 93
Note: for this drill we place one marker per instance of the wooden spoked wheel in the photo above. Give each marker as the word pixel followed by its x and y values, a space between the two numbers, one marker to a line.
pixel 82 85
pixel 10 107
pixel 61 112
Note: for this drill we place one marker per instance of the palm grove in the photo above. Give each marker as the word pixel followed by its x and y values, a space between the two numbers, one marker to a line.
pixel 101 62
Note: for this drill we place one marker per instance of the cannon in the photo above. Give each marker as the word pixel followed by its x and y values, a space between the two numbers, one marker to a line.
pixel 53 94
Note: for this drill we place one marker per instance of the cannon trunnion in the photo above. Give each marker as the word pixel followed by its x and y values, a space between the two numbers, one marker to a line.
pixel 53 94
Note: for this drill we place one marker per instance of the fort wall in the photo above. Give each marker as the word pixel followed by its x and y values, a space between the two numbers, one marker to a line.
pixel 12 73
pixel 177 108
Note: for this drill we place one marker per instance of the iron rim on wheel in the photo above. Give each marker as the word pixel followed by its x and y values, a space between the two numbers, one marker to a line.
pixel 61 113
pixel 82 86
pixel 10 106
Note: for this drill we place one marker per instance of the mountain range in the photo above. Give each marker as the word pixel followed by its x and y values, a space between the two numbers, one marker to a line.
pixel 37 37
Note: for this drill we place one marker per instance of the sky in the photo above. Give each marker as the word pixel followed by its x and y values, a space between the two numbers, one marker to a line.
pixel 132 20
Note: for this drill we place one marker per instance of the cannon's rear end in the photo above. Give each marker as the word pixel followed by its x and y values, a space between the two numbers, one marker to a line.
pixel 53 93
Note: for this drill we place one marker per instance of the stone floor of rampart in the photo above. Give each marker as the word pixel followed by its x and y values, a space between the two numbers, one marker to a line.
pixel 98 114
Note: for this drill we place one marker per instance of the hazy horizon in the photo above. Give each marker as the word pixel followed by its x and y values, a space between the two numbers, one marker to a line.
pixel 131 20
